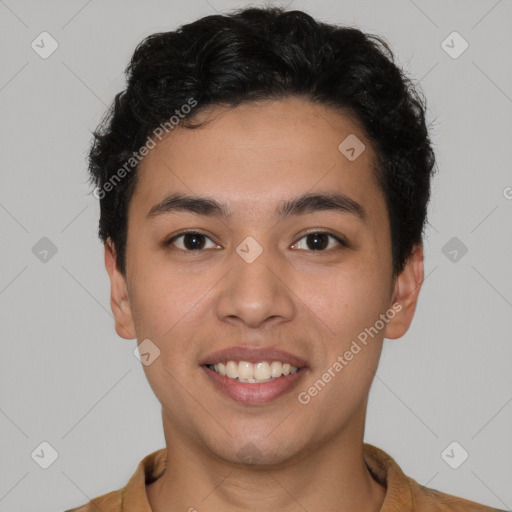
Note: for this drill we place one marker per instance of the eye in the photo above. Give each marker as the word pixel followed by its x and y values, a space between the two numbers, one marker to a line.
pixel 191 241
pixel 318 241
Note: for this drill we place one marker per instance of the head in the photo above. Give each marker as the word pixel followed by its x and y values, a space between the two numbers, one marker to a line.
pixel 295 154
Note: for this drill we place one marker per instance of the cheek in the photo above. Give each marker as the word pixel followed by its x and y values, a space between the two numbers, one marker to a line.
pixel 159 300
pixel 351 348
pixel 349 300
pixel 171 309
pixel 357 297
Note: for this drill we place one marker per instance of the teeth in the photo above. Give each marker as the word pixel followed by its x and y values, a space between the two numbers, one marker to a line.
pixel 276 369
pixel 245 370
pixel 261 371
pixel 254 373
pixel 231 370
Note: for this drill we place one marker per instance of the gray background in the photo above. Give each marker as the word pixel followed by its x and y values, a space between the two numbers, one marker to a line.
pixel 67 379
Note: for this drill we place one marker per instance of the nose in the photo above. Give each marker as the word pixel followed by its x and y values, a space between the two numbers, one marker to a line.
pixel 256 293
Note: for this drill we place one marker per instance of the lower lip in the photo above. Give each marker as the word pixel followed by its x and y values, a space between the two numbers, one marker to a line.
pixel 247 393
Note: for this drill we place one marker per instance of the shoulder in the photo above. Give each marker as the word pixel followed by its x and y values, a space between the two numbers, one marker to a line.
pixel 149 469
pixel 405 493
pixel 427 499
pixel 110 502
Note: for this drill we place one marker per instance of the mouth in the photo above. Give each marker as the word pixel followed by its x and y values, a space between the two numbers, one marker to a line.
pixel 258 373
pixel 253 376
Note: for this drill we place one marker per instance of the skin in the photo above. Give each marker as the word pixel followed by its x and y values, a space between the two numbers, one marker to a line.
pixel 310 303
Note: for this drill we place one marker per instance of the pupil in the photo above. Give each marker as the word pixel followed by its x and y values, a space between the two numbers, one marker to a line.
pixel 197 243
pixel 317 241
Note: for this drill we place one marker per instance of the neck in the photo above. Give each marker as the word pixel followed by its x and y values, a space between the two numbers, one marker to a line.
pixel 330 477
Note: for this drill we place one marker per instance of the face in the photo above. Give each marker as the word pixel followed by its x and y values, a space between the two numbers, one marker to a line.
pixel 260 281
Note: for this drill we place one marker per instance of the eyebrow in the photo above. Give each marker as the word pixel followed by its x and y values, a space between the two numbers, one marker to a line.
pixel 301 205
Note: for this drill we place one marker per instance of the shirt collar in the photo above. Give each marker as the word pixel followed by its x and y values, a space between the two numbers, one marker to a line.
pixel 385 470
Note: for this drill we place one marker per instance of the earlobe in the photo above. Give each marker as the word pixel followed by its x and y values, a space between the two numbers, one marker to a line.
pixel 119 300
pixel 406 292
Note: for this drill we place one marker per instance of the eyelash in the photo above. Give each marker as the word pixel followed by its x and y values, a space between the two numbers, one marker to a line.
pixel 341 241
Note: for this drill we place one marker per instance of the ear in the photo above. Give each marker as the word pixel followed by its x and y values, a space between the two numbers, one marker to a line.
pixel 119 300
pixel 406 290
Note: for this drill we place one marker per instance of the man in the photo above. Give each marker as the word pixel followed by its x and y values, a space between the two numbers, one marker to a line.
pixel 263 183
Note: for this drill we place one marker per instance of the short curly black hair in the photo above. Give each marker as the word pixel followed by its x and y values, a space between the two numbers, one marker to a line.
pixel 267 53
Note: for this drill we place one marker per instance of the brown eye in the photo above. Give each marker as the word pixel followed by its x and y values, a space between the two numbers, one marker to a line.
pixel 191 241
pixel 318 241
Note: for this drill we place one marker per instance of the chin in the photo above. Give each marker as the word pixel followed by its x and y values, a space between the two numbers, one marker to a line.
pixel 256 450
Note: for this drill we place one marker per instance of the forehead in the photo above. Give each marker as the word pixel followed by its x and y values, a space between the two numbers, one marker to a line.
pixel 257 154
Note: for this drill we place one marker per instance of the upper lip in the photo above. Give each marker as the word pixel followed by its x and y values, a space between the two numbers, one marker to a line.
pixel 252 355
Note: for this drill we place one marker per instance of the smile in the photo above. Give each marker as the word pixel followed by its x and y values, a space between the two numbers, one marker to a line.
pixel 261 372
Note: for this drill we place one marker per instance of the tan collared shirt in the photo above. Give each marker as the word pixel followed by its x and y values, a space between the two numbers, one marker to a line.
pixel 403 493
